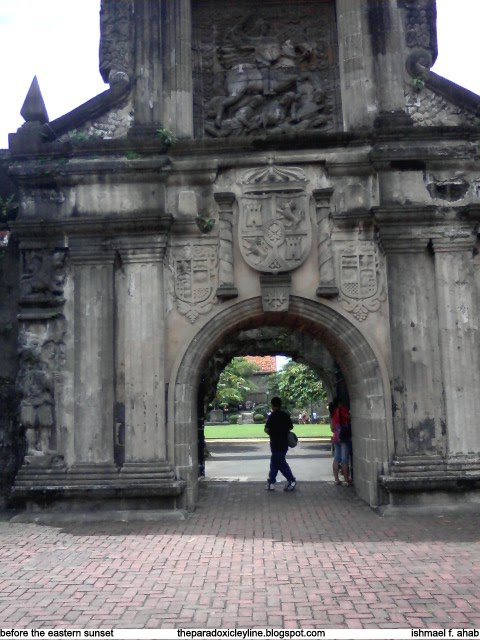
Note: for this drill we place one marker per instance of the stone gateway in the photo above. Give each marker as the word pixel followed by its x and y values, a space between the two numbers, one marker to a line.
pixel 252 172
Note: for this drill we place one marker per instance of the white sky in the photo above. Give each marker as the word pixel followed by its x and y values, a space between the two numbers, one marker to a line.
pixel 57 40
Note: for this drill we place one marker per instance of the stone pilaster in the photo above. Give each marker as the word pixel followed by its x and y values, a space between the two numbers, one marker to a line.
pixel 385 31
pixel 178 94
pixel 459 338
pixel 418 407
pixel 226 288
pixel 327 287
pixel 144 348
pixel 356 64
pixel 94 352
pixel 148 92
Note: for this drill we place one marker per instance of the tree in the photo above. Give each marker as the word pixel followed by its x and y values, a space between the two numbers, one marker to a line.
pixel 234 384
pixel 297 385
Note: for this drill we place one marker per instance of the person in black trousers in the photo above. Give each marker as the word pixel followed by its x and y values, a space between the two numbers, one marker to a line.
pixel 278 426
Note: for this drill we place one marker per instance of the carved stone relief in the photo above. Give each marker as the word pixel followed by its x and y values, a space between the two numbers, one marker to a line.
pixel 450 189
pixel 274 218
pixel 429 109
pixel 362 287
pixel 420 24
pixel 194 269
pixel 116 41
pixel 43 277
pixel 267 67
pixel 41 354
pixel 275 292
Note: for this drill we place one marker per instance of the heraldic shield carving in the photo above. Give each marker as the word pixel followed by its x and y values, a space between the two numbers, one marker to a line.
pixel 194 269
pixel 274 225
pixel 361 282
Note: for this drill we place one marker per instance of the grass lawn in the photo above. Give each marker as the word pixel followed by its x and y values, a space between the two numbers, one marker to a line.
pixel 227 431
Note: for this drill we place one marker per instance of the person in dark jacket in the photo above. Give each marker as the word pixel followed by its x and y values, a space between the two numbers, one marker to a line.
pixel 278 425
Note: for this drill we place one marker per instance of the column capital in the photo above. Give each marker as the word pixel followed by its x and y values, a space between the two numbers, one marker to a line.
pixel 399 243
pixel 225 200
pixel 322 197
pixel 455 240
pixel 91 250
pixel 142 249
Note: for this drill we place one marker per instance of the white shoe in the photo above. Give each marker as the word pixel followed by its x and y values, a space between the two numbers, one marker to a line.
pixel 270 486
pixel 291 485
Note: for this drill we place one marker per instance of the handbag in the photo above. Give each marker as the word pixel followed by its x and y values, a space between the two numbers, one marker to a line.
pixel 292 439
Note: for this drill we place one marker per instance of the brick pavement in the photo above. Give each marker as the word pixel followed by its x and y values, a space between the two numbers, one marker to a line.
pixel 317 557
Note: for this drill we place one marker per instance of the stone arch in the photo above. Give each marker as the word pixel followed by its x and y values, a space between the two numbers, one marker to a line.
pixel 365 373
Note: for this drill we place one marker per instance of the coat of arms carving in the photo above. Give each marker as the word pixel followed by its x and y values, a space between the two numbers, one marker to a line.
pixel 361 282
pixel 194 270
pixel 274 224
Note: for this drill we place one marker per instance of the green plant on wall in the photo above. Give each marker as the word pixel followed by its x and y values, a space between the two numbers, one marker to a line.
pixel 6 205
pixel 418 84
pixel 165 136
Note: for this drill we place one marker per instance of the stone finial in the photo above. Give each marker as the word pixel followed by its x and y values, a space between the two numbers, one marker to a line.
pixel 33 109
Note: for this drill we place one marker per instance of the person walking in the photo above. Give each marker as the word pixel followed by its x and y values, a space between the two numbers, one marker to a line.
pixel 340 416
pixel 278 426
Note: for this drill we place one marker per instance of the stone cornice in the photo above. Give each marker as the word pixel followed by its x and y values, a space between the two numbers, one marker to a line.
pixel 346 219
pixel 68 170
pixel 88 227
pixel 411 229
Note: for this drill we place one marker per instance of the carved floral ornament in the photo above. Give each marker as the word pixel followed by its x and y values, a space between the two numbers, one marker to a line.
pixel 362 288
pixel 274 222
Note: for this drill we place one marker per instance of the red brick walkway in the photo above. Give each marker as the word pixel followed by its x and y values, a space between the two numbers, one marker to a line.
pixel 317 557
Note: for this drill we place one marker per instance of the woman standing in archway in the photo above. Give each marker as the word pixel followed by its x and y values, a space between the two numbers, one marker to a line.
pixel 341 418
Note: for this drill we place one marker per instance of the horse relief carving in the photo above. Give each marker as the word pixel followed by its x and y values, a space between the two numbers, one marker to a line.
pixel 266 73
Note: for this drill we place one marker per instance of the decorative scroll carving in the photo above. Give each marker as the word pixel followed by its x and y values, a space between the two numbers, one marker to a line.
pixel 327 287
pixel 116 42
pixel 194 271
pixel 420 25
pixel 361 282
pixel 260 70
pixel 41 356
pixel 274 225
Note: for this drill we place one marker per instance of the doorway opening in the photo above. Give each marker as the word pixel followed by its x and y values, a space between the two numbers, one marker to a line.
pixel 310 332
pixel 234 405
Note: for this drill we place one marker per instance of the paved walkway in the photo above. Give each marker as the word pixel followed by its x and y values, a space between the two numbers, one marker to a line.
pixel 316 557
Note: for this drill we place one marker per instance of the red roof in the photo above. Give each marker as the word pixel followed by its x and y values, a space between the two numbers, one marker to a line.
pixel 266 364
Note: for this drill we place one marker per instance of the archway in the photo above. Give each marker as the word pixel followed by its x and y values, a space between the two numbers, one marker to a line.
pixel 365 375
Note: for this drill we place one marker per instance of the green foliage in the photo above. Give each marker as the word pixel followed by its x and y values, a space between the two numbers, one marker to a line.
pixel 132 155
pixel 233 385
pixel 297 385
pixel 205 224
pixel 258 417
pixel 7 204
pixel 418 84
pixel 262 408
pixel 165 136
pixel 233 419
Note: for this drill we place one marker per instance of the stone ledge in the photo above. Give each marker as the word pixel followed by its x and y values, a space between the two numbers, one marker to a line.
pixel 431 482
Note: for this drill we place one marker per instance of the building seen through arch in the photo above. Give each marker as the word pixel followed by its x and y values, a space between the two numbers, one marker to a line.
pixel 290 173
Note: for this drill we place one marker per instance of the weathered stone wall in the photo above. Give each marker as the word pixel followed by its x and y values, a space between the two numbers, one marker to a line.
pixel 11 440
pixel 306 202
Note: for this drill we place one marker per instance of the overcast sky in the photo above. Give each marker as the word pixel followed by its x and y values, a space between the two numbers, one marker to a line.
pixel 57 40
